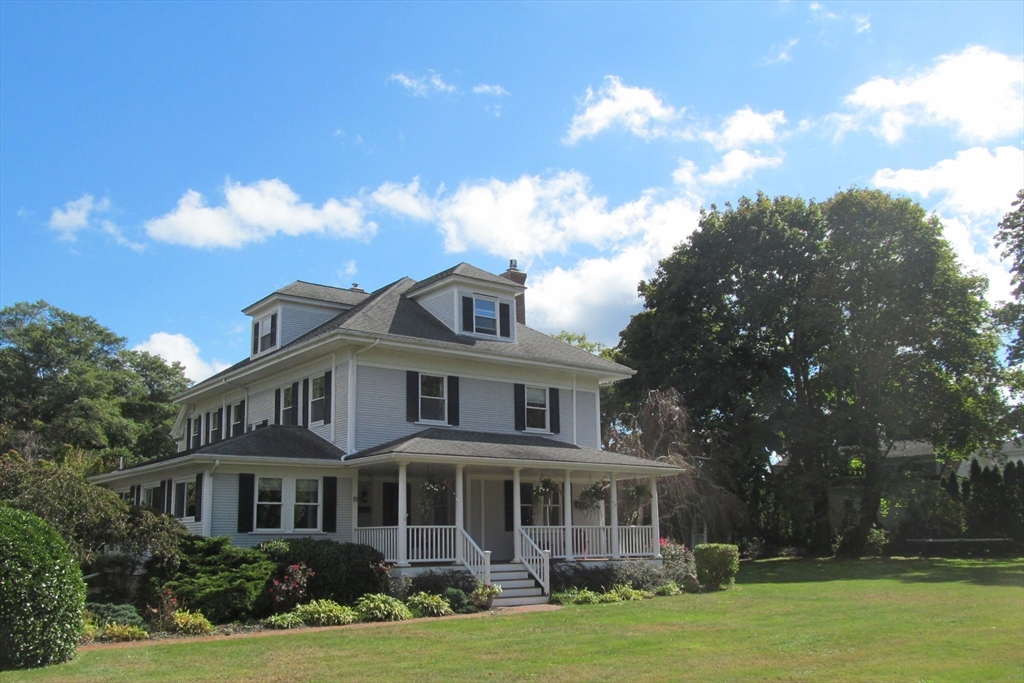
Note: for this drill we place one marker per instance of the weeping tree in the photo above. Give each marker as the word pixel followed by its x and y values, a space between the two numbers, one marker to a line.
pixel 660 429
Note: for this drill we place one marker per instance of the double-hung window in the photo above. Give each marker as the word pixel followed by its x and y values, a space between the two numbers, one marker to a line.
pixel 536 408
pixel 197 431
pixel 214 418
pixel 307 504
pixel 317 399
pixel 185 499
pixel 269 500
pixel 432 398
pixel 264 333
pixel 485 316
pixel 289 415
pixel 237 418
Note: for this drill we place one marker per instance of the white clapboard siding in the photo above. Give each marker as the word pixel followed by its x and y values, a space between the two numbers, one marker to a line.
pixel 380 406
pixel 442 307
pixel 587 432
pixel 298 320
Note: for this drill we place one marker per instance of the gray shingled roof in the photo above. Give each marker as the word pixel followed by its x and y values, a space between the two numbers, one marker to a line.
pixel 439 442
pixel 389 314
pixel 334 295
pixel 465 270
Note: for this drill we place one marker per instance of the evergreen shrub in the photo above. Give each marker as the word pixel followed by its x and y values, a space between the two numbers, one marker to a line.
pixel 717 565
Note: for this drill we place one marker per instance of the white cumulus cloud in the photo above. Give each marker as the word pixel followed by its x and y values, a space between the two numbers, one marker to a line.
pixel 75 215
pixel 405 200
pixel 638 110
pixel 485 89
pixel 745 127
pixel 178 347
pixel 734 166
pixel 421 86
pixel 978 92
pixel 254 213
pixel 973 190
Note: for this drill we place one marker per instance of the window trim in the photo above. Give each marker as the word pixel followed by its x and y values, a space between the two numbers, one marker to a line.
pixel 498 303
pixel 443 398
pixel 494 302
pixel 318 505
pixel 256 505
pixel 195 439
pixel 184 504
pixel 272 321
pixel 234 409
pixel 311 400
pixel 288 504
pixel 216 419
pixel 547 410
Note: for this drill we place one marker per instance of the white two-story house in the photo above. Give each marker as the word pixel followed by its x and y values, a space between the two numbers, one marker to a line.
pixel 425 419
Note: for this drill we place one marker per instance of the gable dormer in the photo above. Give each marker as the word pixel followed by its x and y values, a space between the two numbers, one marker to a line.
pixel 295 309
pixel 473 302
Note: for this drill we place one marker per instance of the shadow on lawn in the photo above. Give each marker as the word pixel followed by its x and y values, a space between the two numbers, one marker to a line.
pixel 910 570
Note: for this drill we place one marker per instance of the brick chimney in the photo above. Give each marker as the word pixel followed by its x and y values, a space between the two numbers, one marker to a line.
pixel 519 277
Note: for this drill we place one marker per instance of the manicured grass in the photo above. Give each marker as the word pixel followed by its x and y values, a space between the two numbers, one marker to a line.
pixel 907 620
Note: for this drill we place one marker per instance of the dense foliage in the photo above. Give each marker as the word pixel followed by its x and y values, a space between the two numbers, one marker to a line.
pixel 68 384
pixel 42 595
pixel 717 565
pixel 823 333
pixel 380 607
pixel 210 575
pixel 104 613
pixel 341 571
pixel 993 501
pixel 429 605
pixel 324 613
pixel 437 581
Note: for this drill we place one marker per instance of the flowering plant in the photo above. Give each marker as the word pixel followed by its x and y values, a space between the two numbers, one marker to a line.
pixel 430 491
pixel 161 617
pixel 290 589
pixel 591 495
pixel 544 488
pixel 484 595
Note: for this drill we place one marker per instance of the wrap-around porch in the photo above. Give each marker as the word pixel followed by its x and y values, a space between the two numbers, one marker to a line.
pixel 467 515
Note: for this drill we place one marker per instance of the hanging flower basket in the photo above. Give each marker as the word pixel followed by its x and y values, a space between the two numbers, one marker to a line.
pixel 429 492
pixel 544 488
pixel 591 496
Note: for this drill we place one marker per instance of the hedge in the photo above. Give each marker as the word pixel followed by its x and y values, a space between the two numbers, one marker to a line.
pixel 717 565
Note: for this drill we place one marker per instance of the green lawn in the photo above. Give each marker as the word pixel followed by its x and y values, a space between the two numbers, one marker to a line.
pixel 907 620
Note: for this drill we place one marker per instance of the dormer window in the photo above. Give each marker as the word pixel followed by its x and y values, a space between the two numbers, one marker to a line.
pixel 486 316
pixel 264 334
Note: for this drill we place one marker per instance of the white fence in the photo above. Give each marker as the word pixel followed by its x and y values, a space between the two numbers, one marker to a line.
pixel 636 541
pixel 383 538
pixel 592 541
pixel 431 543
pixel 474 559
pixel 536 560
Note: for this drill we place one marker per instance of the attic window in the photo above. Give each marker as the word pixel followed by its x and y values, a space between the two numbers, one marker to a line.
pixel 264 333
pixel 485 315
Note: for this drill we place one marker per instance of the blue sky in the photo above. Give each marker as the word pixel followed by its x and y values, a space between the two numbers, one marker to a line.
pixel 163 165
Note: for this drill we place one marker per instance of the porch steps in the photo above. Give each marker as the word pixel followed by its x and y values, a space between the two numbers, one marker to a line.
pixel 517 586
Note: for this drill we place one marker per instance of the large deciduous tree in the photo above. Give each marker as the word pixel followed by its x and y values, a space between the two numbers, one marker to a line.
pixel 822 333
pixel 68 384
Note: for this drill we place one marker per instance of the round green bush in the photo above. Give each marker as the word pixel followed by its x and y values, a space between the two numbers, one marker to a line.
pixel 325 613
pixel 427 605
pixel 42 594
pixel 378 607
pixel 717 564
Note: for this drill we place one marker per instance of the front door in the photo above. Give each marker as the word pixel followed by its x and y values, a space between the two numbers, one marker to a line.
pixel 390 494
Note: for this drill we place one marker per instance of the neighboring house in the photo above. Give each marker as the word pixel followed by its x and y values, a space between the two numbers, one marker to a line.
pixel 425 419
pixel 1010 452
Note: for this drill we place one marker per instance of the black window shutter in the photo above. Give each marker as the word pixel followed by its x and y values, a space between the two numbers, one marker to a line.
pixel 510 502
pixel 327 397
pixel 277 406
pixel 294 419
pixel 188 434
pixel 207 427
pixel 168 494
pixel 467 314
pixel 131 495
pixel 412 396
pixel 273 330
pixel 220 423
pixel 255 338
pixel 199 497
pixel 453 400
pixel 241 417
pixel 553 417
pixel 526 501
pixel 158 498
pixel 505 320
pixel 305 402
pixel 246 502
pixel 330 524
pixel 519 392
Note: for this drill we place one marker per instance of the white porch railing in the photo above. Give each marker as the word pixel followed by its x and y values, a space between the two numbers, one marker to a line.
pixel 536 560
pixel 475 560
pixel 548 538
pixel 592 541
pixel 431 544
pixel 636 541
pixel 383 538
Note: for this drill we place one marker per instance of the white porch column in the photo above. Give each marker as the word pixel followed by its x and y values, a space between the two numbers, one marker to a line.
pixel 655 521
pixel 517 513
pixel 615 515
pixel 459 513
pixel 570 555
pixel 403 534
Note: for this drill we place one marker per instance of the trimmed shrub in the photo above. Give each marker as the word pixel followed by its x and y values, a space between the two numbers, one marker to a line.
pixel 220 580
pixel 105 613
pixel 42 595
pixel 576 596
pixel 427 605
pixel 639 574
pixel 456 599
pixel 286 620
pixel 123 633
pixel 342 571
pixel 597 577
pixel 325 613
pixel 678 561
pixel 667 589
pixel 626 594
pixel 191 623
pixel 380 607
pixel 717 565
pixel 437 581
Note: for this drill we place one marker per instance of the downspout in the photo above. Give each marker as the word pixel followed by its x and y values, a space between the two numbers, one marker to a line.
pixel 352 396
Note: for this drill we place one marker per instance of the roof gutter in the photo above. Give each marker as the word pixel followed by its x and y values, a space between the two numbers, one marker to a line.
pixel 210 459
pixel 659 470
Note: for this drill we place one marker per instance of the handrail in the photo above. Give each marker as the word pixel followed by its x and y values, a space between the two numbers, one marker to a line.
pixel 537 561
pixel 474 559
